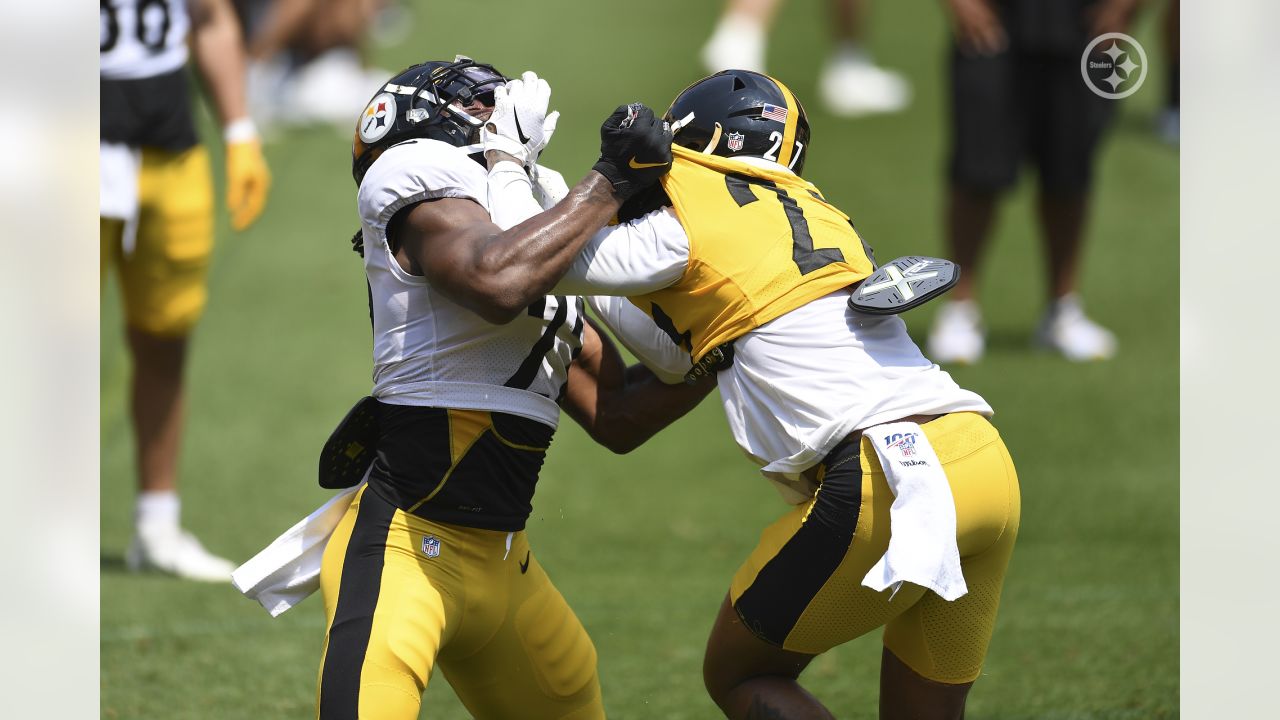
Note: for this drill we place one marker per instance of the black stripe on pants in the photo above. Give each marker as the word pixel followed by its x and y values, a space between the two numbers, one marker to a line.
pixel 357 599
pixel 785 586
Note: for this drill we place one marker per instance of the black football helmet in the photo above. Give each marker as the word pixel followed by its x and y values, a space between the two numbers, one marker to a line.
pixel 424 101
pixel 739 112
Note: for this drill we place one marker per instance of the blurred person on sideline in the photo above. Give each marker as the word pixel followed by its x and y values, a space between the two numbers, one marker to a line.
pixel 1017 96
pixel 851 84
pixel 474 358
pixel 156 224
pixel 308 58
pixel 752 275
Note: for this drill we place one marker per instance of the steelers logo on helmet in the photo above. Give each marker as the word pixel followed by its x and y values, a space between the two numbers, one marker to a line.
pixel 377 118
pixel 426 100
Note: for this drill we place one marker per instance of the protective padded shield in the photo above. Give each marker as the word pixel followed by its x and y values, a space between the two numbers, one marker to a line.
pixel 349 451
pixel 904 283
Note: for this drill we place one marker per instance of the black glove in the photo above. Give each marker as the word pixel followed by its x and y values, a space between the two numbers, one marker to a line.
pixel 635 149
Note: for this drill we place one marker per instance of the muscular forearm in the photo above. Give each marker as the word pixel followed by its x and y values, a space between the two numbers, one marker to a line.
pixel 622 407
pixel 219 53
pixel 627 417
pixel 523 263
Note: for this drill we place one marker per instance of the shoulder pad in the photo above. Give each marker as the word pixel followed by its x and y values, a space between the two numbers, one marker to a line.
pixel 904 283
pixel 415 170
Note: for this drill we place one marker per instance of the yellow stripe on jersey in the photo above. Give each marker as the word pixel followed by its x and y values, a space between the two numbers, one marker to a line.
pixel 789 130
pixel 762 242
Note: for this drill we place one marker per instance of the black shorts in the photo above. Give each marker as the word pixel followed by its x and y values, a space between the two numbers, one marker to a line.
pixel 149 112
pixel 1020 106
pixel 471 468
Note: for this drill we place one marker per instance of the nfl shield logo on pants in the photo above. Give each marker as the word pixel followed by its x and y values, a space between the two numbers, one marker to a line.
pixel 735 141
pixel 430 546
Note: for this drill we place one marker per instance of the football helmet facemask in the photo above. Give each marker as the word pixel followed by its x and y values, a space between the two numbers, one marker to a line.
pixel 738 112
pixel 427 100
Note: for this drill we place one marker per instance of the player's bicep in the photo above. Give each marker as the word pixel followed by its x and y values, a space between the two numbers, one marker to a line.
pixel 444 241
pixel 204 12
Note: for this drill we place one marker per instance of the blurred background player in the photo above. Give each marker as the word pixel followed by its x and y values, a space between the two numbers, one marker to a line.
pixel 851 84
pixel 1017 95
pixel 308 59
pixel 157 229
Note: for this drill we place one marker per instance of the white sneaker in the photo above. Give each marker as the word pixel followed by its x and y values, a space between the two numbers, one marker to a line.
pixel 1066 329
pixel 736 44
pixel 852 85
pixel 957 335
pixel 177 552
pixel 332 88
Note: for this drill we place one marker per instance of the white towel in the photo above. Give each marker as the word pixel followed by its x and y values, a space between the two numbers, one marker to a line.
pixel 119 167
pixel 922 520
pixel 288 570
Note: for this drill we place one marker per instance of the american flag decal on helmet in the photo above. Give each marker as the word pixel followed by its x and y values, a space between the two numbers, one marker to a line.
pixel 774 112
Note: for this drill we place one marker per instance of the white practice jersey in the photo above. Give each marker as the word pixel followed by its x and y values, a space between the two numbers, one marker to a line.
pixel 430 351
pixel 799 383
pixel 142 38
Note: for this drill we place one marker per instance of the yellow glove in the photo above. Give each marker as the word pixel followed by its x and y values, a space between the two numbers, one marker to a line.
pixel 248 178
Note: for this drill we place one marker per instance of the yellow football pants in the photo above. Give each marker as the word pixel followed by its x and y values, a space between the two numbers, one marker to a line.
pixel 163 277
pixel 402 592
pixel 801 588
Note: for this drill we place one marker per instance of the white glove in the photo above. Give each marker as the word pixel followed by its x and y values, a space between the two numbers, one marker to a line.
pixel 549 186
pixel 519 125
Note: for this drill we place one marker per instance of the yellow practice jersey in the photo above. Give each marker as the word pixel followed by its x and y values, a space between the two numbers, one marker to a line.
pixel 762 242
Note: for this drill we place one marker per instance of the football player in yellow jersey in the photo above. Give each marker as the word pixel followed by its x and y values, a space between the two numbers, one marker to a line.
pixel 752 273
pixel 157 228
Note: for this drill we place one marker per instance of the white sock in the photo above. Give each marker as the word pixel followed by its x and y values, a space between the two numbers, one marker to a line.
pixel 1069 302
pixel 968 306
pixel 156 508
pixel 852 52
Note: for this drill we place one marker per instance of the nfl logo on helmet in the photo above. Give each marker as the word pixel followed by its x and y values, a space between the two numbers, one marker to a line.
pixel 430 546
pixel 735 141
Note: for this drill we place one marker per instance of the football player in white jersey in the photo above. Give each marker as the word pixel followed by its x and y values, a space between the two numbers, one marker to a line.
pixel 473 360
pixel 749 272
pixel 156 229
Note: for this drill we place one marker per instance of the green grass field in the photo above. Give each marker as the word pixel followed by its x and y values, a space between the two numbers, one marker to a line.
pixel 643 546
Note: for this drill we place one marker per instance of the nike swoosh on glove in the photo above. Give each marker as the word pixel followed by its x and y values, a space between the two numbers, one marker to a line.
pixel 635 149
pixel 520 125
